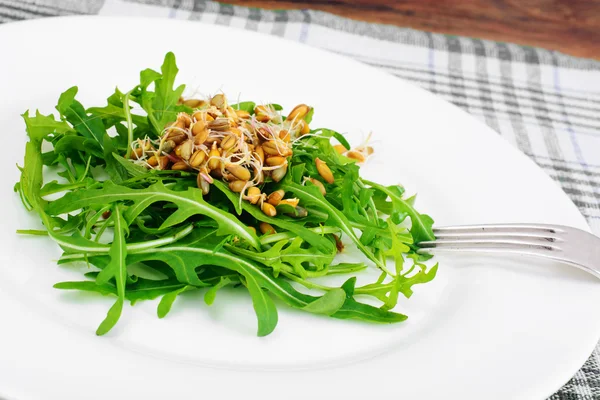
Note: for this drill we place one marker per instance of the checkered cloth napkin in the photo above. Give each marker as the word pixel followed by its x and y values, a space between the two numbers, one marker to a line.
pixel 545 103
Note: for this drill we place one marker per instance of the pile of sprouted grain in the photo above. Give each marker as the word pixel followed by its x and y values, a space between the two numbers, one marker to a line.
pixel 243 149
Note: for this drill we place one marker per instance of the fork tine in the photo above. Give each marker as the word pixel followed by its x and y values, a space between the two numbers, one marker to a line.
pixel 499 228
pixel 489 249
pixel 496 243
pixel 531 236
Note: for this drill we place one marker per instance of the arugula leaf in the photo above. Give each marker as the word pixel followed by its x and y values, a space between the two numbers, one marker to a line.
pixel 422 224
pixel 132 169
pixel 31 180
pixel 293 255
pixel 338 136
pixel 87 286
pixel 211 294
pixel 33 232
pixel 142 289
pixel 234 198
pixel 67 144
pixel 203 253
pixel 247 106
pixel 148 76
pixel 114 112
pixel 402 283
pixel 329 304
pixel 117 269
pixel 116 170
pixel 41 126
pixel 264 307
pixel 189 203
pixel 55 187
pixel 309 116
pixel 162 104
pixel 346 268
pixel 310 195
pixel 75 114
pixel 168 299
pixel 351 309
pixel 422 276
pixel 320 242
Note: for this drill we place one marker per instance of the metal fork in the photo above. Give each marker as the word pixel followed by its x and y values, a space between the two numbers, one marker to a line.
pixel 560 243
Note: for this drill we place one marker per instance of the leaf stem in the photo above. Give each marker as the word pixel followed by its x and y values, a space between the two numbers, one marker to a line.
pixel 92 221
pixel 291 235
pixel 35 232
pixel 138 247
pixel 305 283
pixel 87 169
pixel 372 207
pixel 127 112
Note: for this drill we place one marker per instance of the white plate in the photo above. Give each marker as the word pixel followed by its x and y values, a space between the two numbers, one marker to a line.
pixel 483 329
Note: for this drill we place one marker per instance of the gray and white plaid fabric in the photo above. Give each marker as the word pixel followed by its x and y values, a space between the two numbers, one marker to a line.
pixel 545 103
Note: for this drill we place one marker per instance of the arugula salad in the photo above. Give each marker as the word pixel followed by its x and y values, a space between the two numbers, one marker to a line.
pixel 201 194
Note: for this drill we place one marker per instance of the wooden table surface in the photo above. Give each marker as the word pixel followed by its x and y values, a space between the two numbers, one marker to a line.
pixel 570 26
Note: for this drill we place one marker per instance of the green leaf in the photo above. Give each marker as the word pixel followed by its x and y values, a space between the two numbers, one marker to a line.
pixel 329 304
pixel 285 253
pixel 233 197
pixel 211 294
pixel 31 180
pixel 189 203
pixel 164 106
pixel 399 245
pixel 286 209
pixel 132 169
pixel 148 76
pixel 309 116
pixel 352 208
pixel 352 309
pixel 75 114
pixel 421 224
pixel 264 307
pixel 185 271
pixel 388 292
pixel 111 114
pixel 148 289
pixel 77 244
pixel 33 232
pixel 346 268
pixel 112 316
pixel 195 252
pixel 274 106
pixel 329 133
pixel 168 299
pixel 117 269
pixel 423 276
pixel 310 195
pixel 142 289
pixel 67 144
pixel 297 172
pixel 247 106
pixel 55 187
pixel 199 251
pixel 40 126
pixel 348 286
pixel 116 170
pixel 313 238
pixel 87 286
